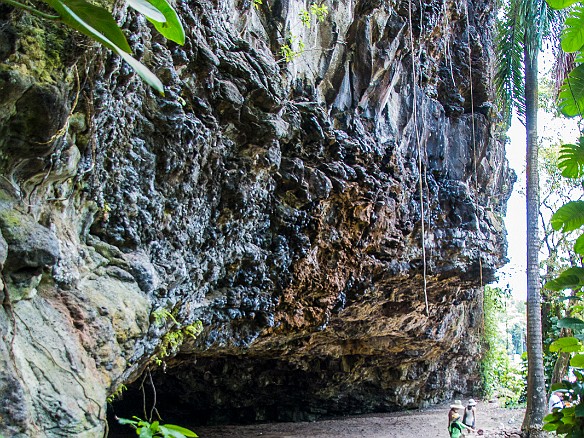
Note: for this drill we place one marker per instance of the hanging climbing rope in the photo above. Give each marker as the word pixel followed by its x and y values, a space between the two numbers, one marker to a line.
pixel 420 167
pixel 474 142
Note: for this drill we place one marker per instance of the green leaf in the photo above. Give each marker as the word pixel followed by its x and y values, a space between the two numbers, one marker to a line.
pixel 143 71
pixel 567 412
pixel 172 28
pixel 168 433
pixel 577 361
pixel 550 427
pixel 93 21
pixel 573 33
pixel 186 432
pixel 74 18
pixel 579 245
pixel 560 4
pixel 571 278
pixel 571 323
pixel 550 418
pixel 126 421
pixel 571 159
pixel 569 217
pixel 571 97
pixel 563 428
pixel 579 411
pixel 150 11
pixel 566 345
pixel 145 432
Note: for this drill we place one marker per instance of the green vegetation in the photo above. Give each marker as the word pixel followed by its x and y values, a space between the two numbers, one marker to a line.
pixel 146 429
pixel 170 344
pixel 292 46
pixel 569 284
pixel 99 24
pixel 499 375
pixel 117 393
pixel 175 337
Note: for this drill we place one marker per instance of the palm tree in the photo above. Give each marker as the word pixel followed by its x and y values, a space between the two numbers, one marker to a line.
pixel 521 33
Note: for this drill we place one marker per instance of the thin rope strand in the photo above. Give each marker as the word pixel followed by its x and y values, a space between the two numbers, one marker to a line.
pixel 474 142
pixel 418 146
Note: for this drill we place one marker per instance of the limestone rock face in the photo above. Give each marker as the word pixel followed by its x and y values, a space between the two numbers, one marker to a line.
pixel 291 207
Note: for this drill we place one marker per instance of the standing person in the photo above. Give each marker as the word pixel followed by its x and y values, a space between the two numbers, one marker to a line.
pixel 555 401
pixel 456 427
pixel 453 410
pixel 470 411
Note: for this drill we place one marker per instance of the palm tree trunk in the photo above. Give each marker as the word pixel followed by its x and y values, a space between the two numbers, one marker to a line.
pixel 536 398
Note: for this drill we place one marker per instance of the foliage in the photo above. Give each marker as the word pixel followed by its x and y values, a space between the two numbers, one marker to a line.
pixel 571 97
pixel 174 338
pixel 523 26
pixel 499 376
pixel 569 421
pixel 117 393
pixel 291 45
pixel 161 316
pixel 288 53
pixel 98 24
pixel 146 429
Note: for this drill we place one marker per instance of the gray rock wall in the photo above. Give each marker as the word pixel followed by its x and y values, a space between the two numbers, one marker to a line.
pixel 278 203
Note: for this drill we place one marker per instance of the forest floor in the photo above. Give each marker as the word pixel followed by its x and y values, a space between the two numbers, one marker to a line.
pixel 492 421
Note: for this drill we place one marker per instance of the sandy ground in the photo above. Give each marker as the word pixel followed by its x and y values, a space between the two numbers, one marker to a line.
pixel 426 423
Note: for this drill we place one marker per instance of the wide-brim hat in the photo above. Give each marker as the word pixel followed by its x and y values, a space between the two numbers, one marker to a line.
pixel 472 402
pixel 457 405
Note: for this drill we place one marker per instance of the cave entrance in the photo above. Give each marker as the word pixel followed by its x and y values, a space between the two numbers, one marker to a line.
pixel 244 390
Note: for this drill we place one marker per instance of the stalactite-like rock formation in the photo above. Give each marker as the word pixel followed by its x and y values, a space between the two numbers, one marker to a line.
pixel 278 203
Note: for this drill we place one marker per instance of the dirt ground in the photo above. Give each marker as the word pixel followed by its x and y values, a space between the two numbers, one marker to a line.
pixel 425 423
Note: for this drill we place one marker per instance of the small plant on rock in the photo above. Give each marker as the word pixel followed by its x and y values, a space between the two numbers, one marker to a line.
pixel 175 337
pixel 146 429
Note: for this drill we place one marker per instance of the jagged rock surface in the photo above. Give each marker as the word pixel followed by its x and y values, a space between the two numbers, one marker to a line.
pixel 279 204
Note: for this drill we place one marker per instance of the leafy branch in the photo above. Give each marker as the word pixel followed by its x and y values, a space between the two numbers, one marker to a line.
pixel 294 46
pixel 99 24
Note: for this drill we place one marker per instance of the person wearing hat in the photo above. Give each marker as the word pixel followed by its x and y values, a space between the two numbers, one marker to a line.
pixel 453 410
pixel 470 411
pixel 456 427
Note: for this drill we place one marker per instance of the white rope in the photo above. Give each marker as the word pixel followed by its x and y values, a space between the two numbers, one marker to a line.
pixel 419 148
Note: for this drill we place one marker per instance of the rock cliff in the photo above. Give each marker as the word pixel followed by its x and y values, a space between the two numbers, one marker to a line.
pixel 297 209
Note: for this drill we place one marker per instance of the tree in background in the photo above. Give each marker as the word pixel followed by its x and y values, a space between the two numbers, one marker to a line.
pixel 521 33
pixel 569 421
pixel 500 376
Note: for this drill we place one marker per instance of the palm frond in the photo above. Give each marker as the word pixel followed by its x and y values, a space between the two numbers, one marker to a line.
pixel 509 74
